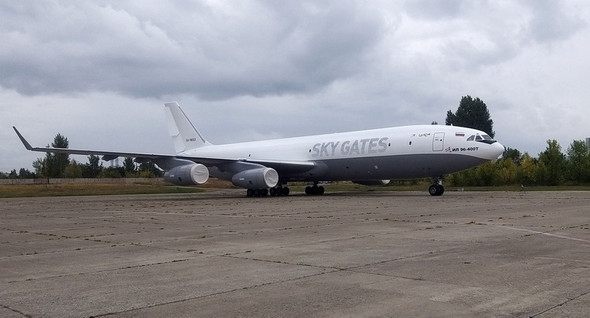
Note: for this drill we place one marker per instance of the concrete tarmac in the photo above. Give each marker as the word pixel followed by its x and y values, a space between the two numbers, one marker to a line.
pixel 361 254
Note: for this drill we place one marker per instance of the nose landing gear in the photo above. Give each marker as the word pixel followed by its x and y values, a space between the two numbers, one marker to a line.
pixel 436 189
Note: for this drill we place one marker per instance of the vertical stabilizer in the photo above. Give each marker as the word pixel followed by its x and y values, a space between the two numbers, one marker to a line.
pixel 182 131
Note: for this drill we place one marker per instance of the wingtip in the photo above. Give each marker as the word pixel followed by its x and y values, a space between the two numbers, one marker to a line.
pixel 22 139
pixel 173 103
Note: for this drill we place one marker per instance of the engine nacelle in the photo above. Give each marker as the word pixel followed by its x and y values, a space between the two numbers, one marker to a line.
pixel 187 175
pixel 372 182
pixel 259 178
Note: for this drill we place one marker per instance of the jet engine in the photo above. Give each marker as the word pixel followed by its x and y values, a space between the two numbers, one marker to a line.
pixel 258 178
pixel 189 174
pixel 372 182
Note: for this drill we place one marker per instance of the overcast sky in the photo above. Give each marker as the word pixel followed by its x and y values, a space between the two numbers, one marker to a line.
pixel 98 72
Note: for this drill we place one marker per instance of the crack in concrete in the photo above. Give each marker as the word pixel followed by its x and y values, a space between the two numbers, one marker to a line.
pixel 212 294
pixel 560 304
pixel 16 311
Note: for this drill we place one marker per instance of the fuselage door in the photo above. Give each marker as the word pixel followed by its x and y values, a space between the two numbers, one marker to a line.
pixel 438 141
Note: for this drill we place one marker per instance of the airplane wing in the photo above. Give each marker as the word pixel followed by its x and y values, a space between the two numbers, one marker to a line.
pixel 286 167
pixel 106 155
pixel 167 161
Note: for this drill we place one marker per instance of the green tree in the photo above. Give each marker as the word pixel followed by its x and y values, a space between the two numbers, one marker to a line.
pixel 25 174
pixel 487 174
pixel 93 168
pixel 578 162
pixel 56 163
pixel 129 166
pixel 552 164
pixel 472 113
pixel 464 178
pixel 112 172
pixel 512 154
pixel 528 171
pixel 39 166
pixel 73 170
pixel 507 171
pixel 148 169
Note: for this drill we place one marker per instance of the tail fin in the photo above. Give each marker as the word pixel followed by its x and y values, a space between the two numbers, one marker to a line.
pixel 182 131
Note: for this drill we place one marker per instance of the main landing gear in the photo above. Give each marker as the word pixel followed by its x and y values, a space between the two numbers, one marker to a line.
pixel 279 191
pixel 314 189
pixel 276 191
pixel 283 191
pixel 436 189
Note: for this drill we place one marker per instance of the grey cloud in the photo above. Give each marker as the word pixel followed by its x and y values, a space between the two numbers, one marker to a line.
pixel 469 55
pixel 550 21
pixel 214 53
pixel 480 34
pixel 435 9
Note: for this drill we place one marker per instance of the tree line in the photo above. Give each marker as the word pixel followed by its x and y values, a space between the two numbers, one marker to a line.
pixel 550 167
pixel 58 165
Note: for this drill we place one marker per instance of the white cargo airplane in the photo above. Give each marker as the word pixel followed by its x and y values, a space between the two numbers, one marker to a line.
pixel 369 157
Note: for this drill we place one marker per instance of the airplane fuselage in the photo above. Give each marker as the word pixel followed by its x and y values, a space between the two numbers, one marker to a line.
pixel 388 153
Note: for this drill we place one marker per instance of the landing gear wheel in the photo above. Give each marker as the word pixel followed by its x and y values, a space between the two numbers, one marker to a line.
pixel 279 191
pixel 436 190
pixel 320 190
pixel 433 189
pixel 284 191
pixel 314 190
pixel 441 189
pixel 274 192
pixel 256 192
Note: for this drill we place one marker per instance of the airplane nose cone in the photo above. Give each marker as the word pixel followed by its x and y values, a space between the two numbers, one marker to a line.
pixel 498 149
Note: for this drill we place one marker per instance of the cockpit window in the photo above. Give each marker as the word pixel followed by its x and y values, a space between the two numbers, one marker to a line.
pixel 481 138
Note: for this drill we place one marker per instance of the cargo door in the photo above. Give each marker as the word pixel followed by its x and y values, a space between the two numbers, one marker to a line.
pixel 438 141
